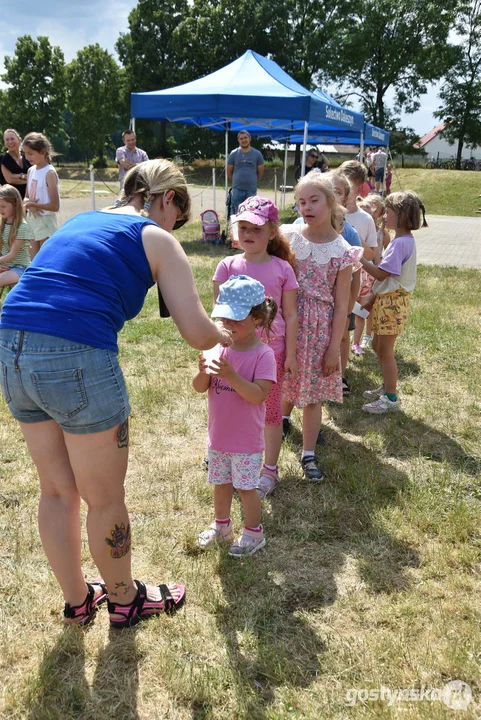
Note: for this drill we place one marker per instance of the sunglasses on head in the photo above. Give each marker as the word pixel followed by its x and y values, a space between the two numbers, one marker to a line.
pixel 316 157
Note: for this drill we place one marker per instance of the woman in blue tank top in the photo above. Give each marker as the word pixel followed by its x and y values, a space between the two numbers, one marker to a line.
pixel 60 376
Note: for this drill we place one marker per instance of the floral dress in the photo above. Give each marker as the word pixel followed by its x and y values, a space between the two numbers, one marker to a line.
pixel 317 268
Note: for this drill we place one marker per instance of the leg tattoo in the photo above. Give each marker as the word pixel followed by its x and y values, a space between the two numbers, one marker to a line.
pixel 120 542
pixel 123 434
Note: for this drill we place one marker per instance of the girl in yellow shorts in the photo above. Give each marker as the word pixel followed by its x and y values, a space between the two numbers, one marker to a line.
pixel 395 279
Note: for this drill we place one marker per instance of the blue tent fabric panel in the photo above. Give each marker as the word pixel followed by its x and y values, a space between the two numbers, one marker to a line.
pixel 252 87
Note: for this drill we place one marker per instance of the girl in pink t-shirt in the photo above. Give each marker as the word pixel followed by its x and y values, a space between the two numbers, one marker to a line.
pixel 268 258
pixel 238 383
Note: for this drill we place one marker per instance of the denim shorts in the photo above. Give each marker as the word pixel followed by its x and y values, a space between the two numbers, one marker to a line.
pixel 19 269
pixel 43 377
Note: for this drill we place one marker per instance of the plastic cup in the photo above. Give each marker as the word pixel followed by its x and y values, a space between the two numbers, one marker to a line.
pixel 210 355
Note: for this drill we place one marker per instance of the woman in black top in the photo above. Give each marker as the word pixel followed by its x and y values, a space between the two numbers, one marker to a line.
pixel 13 165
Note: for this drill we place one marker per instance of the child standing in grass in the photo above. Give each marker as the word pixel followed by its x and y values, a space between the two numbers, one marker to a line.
pixel 324 268
pixel 395 279
pixel 374 205
pixel 15 237
pixel 43 200
pixel 238 384
pixel 268 258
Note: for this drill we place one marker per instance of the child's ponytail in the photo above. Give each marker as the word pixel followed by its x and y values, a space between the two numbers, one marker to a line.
pixel 266 313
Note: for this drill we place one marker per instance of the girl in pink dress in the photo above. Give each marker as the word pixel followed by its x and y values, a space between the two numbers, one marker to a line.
pixel 324 267
pixel 268 258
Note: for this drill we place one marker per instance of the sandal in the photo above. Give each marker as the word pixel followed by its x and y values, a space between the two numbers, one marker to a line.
pixel 83 614
pixel 346 390
pixel 141 608
pixel 268 481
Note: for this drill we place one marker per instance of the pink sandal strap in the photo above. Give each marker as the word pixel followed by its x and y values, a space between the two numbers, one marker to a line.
pixel 141 608
pixel 85 612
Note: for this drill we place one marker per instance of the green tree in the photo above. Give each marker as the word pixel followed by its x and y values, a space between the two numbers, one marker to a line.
pixel 95 90
pixel 461 90
pixel 36 91
pixel 387 45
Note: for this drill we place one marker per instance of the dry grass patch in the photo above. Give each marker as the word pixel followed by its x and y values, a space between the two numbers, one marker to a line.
pixel 370 580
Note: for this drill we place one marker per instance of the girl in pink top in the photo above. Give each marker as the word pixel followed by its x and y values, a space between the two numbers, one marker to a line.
pixel 268 258
pixel 238 384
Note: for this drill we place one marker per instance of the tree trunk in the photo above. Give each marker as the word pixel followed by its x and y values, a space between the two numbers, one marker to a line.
pixel 459 153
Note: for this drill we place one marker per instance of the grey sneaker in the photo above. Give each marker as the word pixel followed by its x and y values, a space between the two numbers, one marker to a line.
pixel 311 468
pixel 374 394
pixel 366 342
pixel 382 405
pixel 247 544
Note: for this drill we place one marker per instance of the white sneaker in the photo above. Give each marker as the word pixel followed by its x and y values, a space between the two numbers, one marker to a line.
pixel 366 342
pixel 215 534
pixel 382 406
pixel 374 394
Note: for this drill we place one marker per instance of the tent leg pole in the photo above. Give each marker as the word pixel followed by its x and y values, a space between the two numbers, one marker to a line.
pixel 303 170
pixel 285 175
pixel 213 188
pixel 361 149
pixel 383 186
pixel 132 124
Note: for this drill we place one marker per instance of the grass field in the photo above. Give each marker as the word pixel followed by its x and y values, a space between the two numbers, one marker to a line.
pixel 444 192
pixel 370 580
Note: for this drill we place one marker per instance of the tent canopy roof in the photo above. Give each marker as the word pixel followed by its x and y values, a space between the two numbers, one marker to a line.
pixel 251 92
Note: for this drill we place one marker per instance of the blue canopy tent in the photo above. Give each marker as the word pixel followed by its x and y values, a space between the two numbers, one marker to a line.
pixel 251 93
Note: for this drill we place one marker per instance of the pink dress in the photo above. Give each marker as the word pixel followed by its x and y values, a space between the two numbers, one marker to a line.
pixel 317 268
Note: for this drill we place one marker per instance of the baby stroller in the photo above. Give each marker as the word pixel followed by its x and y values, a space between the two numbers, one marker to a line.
pixel 210 227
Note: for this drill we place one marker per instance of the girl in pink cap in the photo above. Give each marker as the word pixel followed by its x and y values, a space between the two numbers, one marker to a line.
pixel 268 258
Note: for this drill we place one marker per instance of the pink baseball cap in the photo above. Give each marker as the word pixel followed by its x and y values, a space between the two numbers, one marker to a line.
pixel 257 210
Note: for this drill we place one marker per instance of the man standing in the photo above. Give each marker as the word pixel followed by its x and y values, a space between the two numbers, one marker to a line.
pixel 245 166
pixel 379 160
pixel 128 155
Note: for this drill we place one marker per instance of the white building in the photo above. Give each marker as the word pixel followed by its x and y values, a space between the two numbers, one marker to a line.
pixel 437 146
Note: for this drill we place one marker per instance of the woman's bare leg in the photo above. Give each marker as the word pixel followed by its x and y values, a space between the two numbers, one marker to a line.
pixel 58 512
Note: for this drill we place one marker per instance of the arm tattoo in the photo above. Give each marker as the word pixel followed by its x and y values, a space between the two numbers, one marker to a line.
pixel 120 541
pixel 123 434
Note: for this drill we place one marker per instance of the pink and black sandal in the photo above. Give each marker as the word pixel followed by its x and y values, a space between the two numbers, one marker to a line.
pixel 83 614
pixel 141 608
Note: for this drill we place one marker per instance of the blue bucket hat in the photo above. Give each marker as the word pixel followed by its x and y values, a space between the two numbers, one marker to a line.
pixel 237 297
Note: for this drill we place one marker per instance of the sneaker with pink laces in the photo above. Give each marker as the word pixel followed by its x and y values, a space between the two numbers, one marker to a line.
pixel 357 349
pixel 216 533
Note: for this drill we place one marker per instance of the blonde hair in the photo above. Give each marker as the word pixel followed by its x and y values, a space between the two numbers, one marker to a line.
pixel 38 142
pixel 354 171
pixel 152 178
pixel 12 131
pixel 325 185
pixel 408 208
pixel 372 201
pixel 10 194
pixel 338 177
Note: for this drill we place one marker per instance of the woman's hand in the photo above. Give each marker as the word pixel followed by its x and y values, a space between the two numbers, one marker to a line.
pixel 330 362
pixel 290 366
pixel 225 336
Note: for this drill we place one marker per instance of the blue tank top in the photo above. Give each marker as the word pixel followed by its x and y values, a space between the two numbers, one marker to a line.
pixel 88 279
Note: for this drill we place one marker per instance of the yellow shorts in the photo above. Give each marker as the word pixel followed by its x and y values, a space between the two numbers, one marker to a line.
pixel 390 313
pixel 42 226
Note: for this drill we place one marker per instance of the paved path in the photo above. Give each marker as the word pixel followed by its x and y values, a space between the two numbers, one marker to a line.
pixel 448 240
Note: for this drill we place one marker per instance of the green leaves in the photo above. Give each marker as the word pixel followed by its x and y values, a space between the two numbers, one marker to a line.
pixel 36 86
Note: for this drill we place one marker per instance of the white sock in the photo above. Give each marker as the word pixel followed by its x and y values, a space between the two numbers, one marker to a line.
pixel 270 467
pixel 286 417
pixel 306 453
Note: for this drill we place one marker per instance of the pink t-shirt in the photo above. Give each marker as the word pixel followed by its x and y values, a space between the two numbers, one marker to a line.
pixel 236 425
pixel 277 276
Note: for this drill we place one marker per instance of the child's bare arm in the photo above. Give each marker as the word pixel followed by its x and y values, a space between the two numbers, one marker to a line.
pixel 54 204
pixel 14 250
pixel 374 270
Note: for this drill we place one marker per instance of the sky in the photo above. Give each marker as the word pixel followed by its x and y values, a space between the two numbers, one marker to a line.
pixel 73 24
